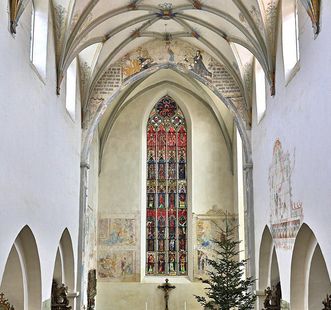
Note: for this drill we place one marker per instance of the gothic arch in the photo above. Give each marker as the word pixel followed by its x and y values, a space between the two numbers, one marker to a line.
pixel 310 280
pixel 266 249
pixel 171 85
pixel 240 119
pixel 64 271
pixel 21 280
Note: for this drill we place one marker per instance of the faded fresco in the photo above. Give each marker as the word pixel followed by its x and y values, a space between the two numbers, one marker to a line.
pixel 117 231
pixel 116 265
pixel 286 215
pixel 178 52
pixel 117 248
pixel 207 229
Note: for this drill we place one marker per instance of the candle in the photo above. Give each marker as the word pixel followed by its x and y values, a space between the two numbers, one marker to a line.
pixel 146 305
pixel 185 305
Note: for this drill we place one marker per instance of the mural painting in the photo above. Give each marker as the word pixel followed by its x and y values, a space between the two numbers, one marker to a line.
pixel 286 215
pixel 116 265
pixel 117 231
pixel 177 52
pixel 117 248
pixel 207 229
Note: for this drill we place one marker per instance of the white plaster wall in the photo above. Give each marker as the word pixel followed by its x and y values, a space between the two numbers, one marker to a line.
pixel 39 152
pixel 299 115
pixel 121 182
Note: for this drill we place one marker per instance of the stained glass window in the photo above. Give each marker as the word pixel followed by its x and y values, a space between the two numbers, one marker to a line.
pixel 166 207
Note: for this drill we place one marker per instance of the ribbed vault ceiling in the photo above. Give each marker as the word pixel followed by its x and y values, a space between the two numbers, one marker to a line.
pixel 102 31
pixel 235 33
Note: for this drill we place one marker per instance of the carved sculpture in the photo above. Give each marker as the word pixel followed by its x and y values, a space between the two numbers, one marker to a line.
pixel 327 303
pixel 166 287
pixel 4 304
pixel 273 298
pixel 91 289
pixel 60 299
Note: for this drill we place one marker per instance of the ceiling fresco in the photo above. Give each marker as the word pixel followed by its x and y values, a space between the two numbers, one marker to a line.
pixel 103 34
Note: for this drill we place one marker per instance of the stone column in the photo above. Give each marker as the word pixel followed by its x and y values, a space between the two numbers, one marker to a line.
pixel 84 167
pixel 249 217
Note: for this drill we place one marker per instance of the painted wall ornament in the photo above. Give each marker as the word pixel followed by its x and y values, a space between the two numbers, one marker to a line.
pixel 286 215
pixel 59 298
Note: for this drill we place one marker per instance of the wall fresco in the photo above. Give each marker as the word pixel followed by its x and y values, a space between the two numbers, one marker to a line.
pixel 116 265
pixel 117 231
pixel 207 228
pixel 157 52
pixel 286 215
pixel 117 248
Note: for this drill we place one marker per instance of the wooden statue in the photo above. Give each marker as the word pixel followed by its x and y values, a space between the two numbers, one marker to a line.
pixel 91 289
pixel 327 303
pixel 273 298
pixel 166 287
pixel 59 298
pixel 4 304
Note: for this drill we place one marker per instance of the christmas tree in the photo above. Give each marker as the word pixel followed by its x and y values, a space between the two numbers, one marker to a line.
pixel 227 288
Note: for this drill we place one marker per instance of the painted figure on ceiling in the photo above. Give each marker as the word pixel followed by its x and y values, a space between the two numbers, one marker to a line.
pixel 199 67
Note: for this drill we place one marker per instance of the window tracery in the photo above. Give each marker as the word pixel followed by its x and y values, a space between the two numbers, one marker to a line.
pixel 166 209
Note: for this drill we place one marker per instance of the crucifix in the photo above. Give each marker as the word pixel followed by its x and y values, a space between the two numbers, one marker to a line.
pixel 166 287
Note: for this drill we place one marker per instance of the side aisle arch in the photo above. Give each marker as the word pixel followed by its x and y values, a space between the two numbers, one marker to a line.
pixel 310 280
pixel 21 282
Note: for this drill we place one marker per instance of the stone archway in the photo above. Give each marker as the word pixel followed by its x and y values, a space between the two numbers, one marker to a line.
pixel 131 83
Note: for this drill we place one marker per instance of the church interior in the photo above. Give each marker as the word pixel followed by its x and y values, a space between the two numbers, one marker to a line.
pixel 132 130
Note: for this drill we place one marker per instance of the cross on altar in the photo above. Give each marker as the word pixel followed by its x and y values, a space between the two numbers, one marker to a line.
pixel 166 287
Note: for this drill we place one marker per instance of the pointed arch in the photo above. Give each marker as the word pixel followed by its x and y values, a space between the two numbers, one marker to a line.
pixel 166 207
pixel 23 260
pixel 310 281
pixel 64 266
pixel 266 251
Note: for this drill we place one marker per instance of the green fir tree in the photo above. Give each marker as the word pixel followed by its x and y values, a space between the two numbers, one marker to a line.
pixel 227 289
